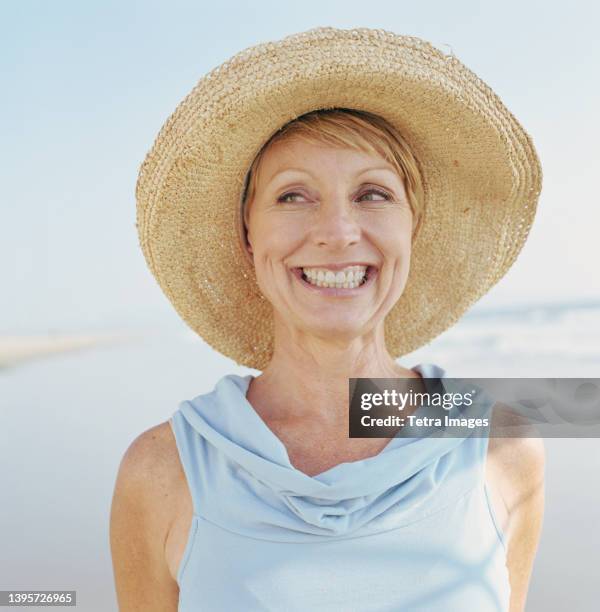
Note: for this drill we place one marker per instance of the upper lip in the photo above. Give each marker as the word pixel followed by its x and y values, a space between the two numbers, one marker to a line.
pixel 340 266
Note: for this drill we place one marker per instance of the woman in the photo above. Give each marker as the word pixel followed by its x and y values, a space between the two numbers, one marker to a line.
pixel 314 209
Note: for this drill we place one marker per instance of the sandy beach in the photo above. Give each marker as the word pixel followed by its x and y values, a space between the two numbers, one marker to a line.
pixel 15 349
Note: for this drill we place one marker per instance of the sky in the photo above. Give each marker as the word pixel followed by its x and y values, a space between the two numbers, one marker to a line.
pixel 87 85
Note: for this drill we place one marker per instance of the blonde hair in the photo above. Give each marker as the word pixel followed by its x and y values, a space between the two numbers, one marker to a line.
pixel 345 127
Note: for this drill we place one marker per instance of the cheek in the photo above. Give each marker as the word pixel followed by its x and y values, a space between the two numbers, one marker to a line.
pixel 275 240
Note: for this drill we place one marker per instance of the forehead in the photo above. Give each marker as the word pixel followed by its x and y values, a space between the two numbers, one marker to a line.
pixel 284 157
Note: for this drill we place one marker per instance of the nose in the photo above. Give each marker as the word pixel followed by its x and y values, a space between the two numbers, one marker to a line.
pixel 336 226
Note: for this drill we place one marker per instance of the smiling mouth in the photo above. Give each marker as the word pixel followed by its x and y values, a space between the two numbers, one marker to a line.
pixel 348 281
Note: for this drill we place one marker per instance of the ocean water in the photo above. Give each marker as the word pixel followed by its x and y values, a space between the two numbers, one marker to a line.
pixel 68 419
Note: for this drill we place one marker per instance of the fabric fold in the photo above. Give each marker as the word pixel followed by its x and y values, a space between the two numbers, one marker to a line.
pixel 251 468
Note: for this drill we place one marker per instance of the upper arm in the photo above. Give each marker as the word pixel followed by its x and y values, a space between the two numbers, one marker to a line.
pixel 139 524
pixel 519 464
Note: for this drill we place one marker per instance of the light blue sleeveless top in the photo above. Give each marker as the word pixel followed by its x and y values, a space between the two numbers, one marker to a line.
pixel 408 529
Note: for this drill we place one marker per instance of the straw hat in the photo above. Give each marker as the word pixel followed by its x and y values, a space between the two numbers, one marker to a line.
pixel 480 171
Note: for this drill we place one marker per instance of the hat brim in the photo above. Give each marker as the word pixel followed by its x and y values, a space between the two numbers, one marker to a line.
pixel 481 175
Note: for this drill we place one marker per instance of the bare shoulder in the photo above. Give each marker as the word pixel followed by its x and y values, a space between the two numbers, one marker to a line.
pixel 151 471
pixel 143 508
pixel 152 458
pixel 516 469
pixel 516 450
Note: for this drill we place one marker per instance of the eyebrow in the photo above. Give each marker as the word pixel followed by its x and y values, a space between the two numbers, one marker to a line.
pixel 373 169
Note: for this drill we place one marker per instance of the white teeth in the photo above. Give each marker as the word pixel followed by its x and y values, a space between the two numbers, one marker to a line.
pixel 349 278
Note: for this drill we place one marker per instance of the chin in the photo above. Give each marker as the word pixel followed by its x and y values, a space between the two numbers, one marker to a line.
pixel 334 328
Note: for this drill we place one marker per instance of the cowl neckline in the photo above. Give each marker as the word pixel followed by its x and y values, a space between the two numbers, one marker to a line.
pixel 227 420
pixel 330 475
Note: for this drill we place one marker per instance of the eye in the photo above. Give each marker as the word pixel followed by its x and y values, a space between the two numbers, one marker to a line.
pixel 283 197
pixel 379 192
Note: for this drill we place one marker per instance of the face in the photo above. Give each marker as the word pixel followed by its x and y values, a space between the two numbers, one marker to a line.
pixel 330 234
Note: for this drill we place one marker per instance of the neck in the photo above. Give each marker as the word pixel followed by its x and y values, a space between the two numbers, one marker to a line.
pixel 308 376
